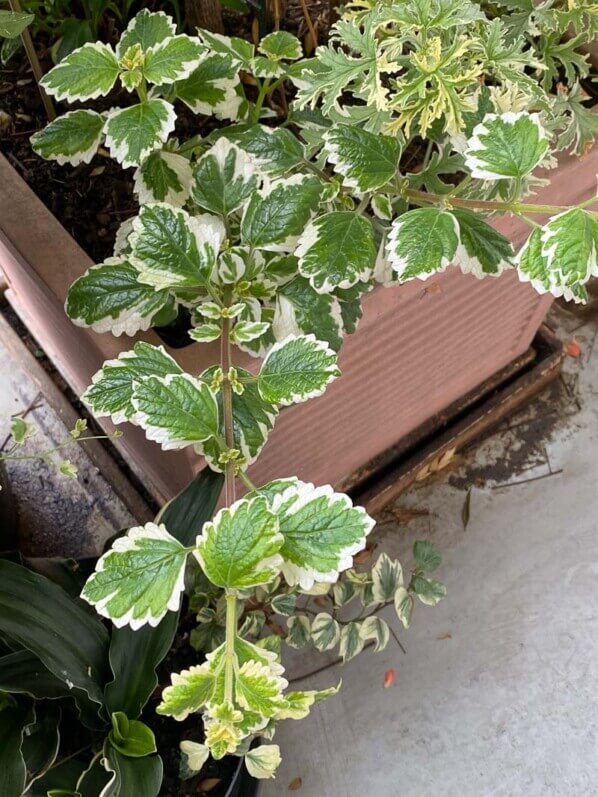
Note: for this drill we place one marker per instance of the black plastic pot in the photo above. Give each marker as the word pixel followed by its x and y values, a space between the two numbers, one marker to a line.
pixel 176 334
pixel 243 785
pixel 8 514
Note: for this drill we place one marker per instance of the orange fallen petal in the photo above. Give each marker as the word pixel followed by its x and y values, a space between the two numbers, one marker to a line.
pixel 572 348
pixel 389 678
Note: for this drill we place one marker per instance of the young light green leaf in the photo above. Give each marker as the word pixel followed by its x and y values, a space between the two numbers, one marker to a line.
pixel 224 178
pixel 428 590
pixel 85 74
pixel 139 579
pixel 146 29
pixel 482 250
pixel 351 641
pixel 387 577
pixel 130 737
pixel 299 631
pixel 163 177
pixel 422 242
pixel 280 210
pixel 506 146
pixel 72 138
pixel 274 150
pixel 258 689
pixel 172 248
pixel 321 529
pixel 263 761
pixel 195 755
pixel 281 45
pixel 172 59
pixel 325 632
pixel 365 160
pixel 110 298
pixel 68 469
pixel 239 548
pixel 336 250
pixel 20 429
pixel 375 628
pixel 112 386
pixel 13 23
pixel 213 88
pixel 132 133
pixel 404 606
pixel 296 369
pixel 427 556
pixel 570 246
pixel 191 689
pixel 175 410
pixel 244 331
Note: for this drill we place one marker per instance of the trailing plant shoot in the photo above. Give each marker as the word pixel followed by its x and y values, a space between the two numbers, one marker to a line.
pixel 268 231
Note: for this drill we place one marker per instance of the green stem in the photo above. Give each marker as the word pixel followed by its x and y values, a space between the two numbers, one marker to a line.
pixel 44 454
pixel 423 197
pixel 260 100
pixel 34 64
pixel 247 481
pixel 229 655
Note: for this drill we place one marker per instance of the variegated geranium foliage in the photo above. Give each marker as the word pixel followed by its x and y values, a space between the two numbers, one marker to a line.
pixel 266 235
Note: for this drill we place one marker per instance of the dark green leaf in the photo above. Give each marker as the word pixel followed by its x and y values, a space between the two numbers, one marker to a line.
pixel 132 777
pixel 13 772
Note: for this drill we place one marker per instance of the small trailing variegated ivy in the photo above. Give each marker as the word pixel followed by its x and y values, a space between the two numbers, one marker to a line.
pixel 267 236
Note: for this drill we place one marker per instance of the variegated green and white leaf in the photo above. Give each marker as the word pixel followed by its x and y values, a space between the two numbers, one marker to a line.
pixel 172 59
pixel 382 207
pixel 212 88
pixel 280 45
pixel 570 246
pixel 110 298
pixel 205 333
pixel 253 420
pixel 245 331
pixel 275 151
pixel 263 761
pixel 298 704
pixel 224 178
pixel 280 211
pixel 300 310
pixel 387 577
pixel 175 410
pixel 482 251
pixel 422 242
pixel 344 592
pixel 194 755
pixel 85 74
pixel 284 604
pixel 173 249
pixel 72 138
pixel 296 369
pixel 404 606
pixel 239 50
pixel 365 160
pixel 258 689
pixel 506 146
pixel 146 29
pixel 351 641
pixel 139 579
pixel 13 23
pixel 428 590
pixel 336 250
pixel 252 624
pixel 132 133
pixel 298 631
pixel 321 529
pixel 427 556
pixel 325 632
pixel 191 689
pixel 375 628
pixel 532 266
pixel 240 547
pixel 163 177
pixel 112 387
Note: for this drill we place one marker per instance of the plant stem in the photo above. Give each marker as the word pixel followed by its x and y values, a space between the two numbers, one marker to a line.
pixel 423 197
pixel 44 454
pixel 231 633
pixel 247 481
pixel 260 100
pixel 35 65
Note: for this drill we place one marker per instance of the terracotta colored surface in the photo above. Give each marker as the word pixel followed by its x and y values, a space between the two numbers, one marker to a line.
pixel 418 348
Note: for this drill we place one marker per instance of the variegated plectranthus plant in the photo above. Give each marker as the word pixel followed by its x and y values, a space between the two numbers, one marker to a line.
pixel 418 122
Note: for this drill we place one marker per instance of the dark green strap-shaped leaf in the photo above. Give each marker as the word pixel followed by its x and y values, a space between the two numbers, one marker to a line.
pixel 13 771
pixel 41 742
pixel 23 673
pixel 134 655
pixel 132 777
pixel 41 617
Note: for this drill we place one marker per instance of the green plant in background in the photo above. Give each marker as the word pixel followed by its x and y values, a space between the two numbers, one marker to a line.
pixel 268 237
pixel 69 713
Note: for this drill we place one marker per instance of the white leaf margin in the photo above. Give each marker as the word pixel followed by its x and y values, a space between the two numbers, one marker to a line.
pixel 180 166
pixel 400 264
pixel 66 94
pixel 83 156
pixel 121 151
pixel 127 543
pixel 145 12
pixel 302 493
pixel 187 67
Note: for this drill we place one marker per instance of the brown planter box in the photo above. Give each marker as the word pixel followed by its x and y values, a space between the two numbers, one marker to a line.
pixel 419 347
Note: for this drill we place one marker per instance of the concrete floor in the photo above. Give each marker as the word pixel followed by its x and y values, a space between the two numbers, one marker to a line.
pixel 496 694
